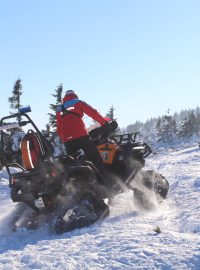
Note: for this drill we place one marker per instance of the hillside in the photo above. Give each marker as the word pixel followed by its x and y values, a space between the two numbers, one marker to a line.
pixel 126 239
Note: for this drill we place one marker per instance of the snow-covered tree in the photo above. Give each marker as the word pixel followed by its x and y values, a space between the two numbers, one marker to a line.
pixel 134 127
pixel 1 161
pixel 189 125
pixel 46 132
pixel 166 127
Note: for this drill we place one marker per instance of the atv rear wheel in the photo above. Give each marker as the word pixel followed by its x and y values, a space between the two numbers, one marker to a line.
pixel 82 212
pixel 150 188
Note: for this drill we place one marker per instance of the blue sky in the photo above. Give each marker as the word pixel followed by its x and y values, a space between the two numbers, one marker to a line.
pixel 142 57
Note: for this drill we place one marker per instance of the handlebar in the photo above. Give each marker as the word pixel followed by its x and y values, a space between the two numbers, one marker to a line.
pixel 105 132
pixel 125 138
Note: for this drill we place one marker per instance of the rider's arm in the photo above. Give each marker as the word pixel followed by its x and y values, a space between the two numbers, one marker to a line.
pixel 94 114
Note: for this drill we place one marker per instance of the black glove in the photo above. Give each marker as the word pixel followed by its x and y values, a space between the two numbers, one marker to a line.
pixel 106 125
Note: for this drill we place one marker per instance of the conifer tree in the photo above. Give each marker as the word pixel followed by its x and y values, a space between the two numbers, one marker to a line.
pixel 14 100
pixel 110 113
pixel 53 107
pixel 46 132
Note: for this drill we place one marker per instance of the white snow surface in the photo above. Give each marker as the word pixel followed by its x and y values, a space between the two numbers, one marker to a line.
pixel 126 239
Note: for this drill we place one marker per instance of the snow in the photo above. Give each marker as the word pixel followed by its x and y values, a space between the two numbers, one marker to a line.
pixel 127 239
pixel 16 139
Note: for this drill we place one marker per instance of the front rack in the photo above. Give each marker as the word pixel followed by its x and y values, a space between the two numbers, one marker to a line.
pixel 128 138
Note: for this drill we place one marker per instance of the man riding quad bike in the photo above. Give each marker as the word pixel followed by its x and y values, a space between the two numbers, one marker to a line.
pixel 68 193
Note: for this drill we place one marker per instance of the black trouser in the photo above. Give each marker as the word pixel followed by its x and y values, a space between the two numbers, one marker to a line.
pixel 89 149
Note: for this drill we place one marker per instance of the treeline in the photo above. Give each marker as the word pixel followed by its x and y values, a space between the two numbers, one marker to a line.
pixel 165 129
pixel 160 131
pixel 168 129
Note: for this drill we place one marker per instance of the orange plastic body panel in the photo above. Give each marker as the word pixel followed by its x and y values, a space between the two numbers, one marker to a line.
pixel 107 152
pixel 32 150
pixel 27 162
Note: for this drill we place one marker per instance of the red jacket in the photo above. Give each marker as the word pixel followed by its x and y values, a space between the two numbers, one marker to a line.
pixel 71 126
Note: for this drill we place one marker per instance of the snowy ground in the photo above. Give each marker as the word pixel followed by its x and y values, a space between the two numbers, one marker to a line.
pixel 125 240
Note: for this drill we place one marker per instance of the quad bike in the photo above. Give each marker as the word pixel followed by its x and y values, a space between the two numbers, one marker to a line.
pixel 68 193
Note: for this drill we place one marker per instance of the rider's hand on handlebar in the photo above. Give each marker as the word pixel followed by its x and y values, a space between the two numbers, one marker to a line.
pixel 106 124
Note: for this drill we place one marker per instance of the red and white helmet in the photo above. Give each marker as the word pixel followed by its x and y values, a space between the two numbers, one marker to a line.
pixel 70 92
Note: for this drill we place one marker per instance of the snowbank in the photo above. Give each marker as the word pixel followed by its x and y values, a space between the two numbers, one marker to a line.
pixel 125 240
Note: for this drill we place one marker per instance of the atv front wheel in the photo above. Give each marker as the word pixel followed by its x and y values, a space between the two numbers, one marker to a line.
pixel 150 188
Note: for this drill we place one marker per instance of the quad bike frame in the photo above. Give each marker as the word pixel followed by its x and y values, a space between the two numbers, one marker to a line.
pixel 60 186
